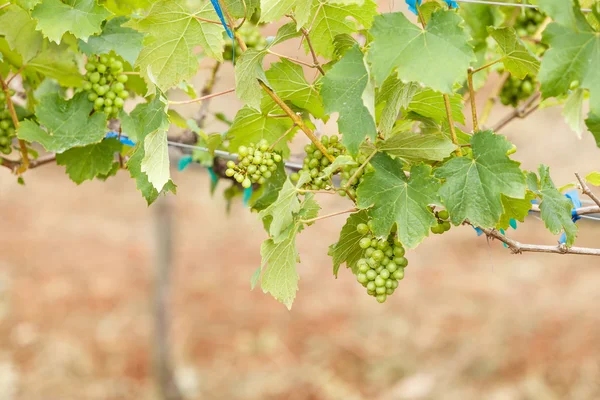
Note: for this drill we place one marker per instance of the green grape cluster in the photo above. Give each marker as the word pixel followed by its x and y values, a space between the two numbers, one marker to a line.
pixel 250 34
pixel 443 223
pixel 256 164
pixel 7 128
pixel 382 265
pixel 516 90
pixel 315 161
pixel 528 22
pixel 105 84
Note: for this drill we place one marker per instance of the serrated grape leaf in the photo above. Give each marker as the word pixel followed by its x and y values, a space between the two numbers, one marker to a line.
pixel 437 56
pixel 273 10
pixel 516 209
pixel 19 31
pixel 286 32
pixel 396 95
pixel 283 209
pixel 268 193
pixel 573 56
pixel 473 186
pixel 329 19
pixel 573 111
pixel 346 89
pixel 56 62
pixel 516 57
pixel 250 126
pixel 343 43
pixel 145 118
pixel 555 207
pixel 414 147
pixel 168 56
pixel 347 250
pixel 593 178
pixel 392 198
pixel 593 124
pixel 87 162
pixel 248 70
pixel 116 167
pixel 67 122
pixel 134 165
pixel 80 17
pixel 429 103
pixel 288 81
pixel 156 159
pixel 125 42
pixel 242 8
pixel 27 4
pixel 565 12
pixel 279 258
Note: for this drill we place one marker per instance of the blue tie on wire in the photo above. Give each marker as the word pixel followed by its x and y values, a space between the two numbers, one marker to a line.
pixel 572 195
pixel 184 162
pixel 247 195
pixel 412 6
pixel 124 139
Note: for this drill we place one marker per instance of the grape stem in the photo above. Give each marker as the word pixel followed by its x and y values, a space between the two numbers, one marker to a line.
pixel 294 60
pixel 585 189
pixel 310 221
pixel 199 99
pixel 295 118
pixel 519 112
pixel 451 123
pixel 4 5
pixel 472 98
pixel 9 80
pixel 210 21
pixel 281 137
pixel 305 33
pixel 362 166
pixel 14 165
pixel 11 108
pixel 316 191
pixel 520 248
pixel 487 65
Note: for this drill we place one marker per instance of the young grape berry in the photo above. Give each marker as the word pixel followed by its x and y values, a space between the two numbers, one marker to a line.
pixel 7 128
pixel 382 265
pixel 443 223
pixel 105 84
pixel 315 162
pixel 256 164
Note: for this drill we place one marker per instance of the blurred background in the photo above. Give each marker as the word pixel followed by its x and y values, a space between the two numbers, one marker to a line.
pixel 78 267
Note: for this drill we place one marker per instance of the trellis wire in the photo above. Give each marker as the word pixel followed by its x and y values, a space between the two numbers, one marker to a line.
pixel 501 4
pixel 290 165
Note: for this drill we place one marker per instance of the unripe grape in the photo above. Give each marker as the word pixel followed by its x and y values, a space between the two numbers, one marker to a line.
pixel 371 286
pixel 399 274
pixel 295 176
pixel 371 274
pixel 364 243
pixel 122 78
pixel 369 252
pixel 101 68
pixel 119 102
pixel 380 289
pixel 238 177
pixel 379 281
pixel 389 283
pixel 378 255
pixel 229 172
pixel 104 59
pixel 362 278
pixel 4 124
pixel 363 229
pixel 124 94
pixel 384 273
pixel 86 85
pixel 94 77
pixel 108 109
pixel 99 102
pixel 381 298
pixel 443 214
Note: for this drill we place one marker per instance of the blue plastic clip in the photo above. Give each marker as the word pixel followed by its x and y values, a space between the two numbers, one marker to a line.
pixel 124 139
pixel 412 6
pixel 213 177
pixel 247 195
pixel 184 162
pixel 219 11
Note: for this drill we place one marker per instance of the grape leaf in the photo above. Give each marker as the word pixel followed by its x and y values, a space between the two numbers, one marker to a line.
pixel 67 123
pixel 249 69
pixel 573 56
pixel 168 56
pixel 288 81
pixel 593 178
pixel 156 159
pixel 145 118
pixel 429 103
pixel 414 147
pixel 555 207
pixel 80 17
pixel 19 31
pixel 516 209
pixel 346 89
pixel 242 8
pixel 330 19
pixel 87 162
pixel 134 165
pixel 279 258
pixel 125 42
pixel 282 211
pixel 268 193
pixel 340 161
pixel 565 12
pixel 27 4
pixel 347 250
pixel 473 186
pixel 127 7
pixel 273 10
pixel 250 126
pixel 393 198
pixel 396 95
pixel 516 57
pixel 437 56
pixel 573 111
pixel 56 62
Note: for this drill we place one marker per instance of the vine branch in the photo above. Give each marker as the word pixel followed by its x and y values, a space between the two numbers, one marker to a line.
pixel 306 36
pixel 519 112
pixel 13 114
pixel 520 248
pixel 472 98
pixel 585 189
pixel 206 97
pixel 451 123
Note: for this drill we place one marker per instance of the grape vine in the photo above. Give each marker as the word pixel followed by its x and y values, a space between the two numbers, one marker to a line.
pixel 92 84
